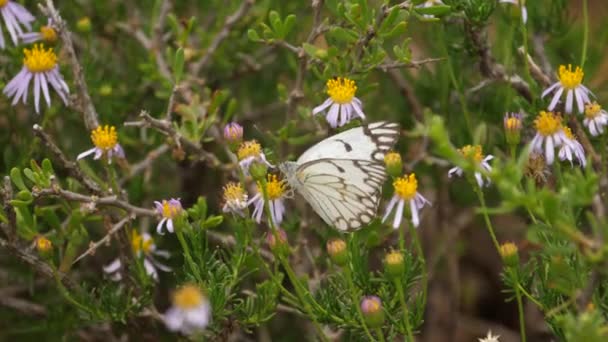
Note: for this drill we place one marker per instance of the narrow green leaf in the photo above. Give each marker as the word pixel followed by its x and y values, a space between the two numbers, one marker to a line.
pixel 178 65
pixel 17 178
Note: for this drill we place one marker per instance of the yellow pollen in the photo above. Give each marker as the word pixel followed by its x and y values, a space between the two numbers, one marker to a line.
pixel 104 137
pixel 139 244
pixel 512 124
pixel 3 3
pixel 43 244
pixel 188 297
pixel 341 90
pixel 233 192
pixel 37 59
pixel 169 210
pixel 48 34
pixel 568 78
pixel 274 187
pixel 249 149
pixel 547 123
pixel 473 152
pixel 392 158
pixel 592 110
pixel 568 133
pixel 394 258
pixel 406 186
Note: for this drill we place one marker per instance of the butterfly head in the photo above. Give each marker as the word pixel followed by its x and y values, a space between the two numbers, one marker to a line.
pixel 289 170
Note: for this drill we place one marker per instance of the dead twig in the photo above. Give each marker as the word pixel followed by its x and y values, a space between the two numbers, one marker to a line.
pixel 93 247
pixel 145 164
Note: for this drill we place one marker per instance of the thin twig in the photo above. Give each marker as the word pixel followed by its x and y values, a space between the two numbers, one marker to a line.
pixel 7 195
pixel 412 64
pixel 85 104
pixel 145 164
pixel 93 247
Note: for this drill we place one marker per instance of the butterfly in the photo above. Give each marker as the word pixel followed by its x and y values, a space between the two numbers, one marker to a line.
pixel 341 176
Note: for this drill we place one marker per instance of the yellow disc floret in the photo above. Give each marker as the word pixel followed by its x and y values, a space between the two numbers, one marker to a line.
pixel 188 297
pixel 3 3
pixel 139 244
pixel 547 123
pixel 394 258
pixel 568 78
pixel 170 210
pixel 48 34
pixel 568 133
pixel 474 152
pixel 249 148
pixel 592 110
pixel 513 124
pixel 104 137
pixel 392 158
pixel 37 59
pixel 43 244
pixel 275 188
pixel 233 192
pixel 341 90
pixel 406 187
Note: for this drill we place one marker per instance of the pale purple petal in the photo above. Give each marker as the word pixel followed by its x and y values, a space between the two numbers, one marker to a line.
pixel 113 266
pixel 45 88
pixel 159 226
pixel 332 116
pixel 556 98
pixel 389 207
pixel 398 214
pixel 569 101
pixel 86 153
pixel 322 107
pixel 414 212
pixel 550 89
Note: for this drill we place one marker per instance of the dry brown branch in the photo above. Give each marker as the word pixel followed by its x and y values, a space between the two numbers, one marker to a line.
pixel 144 164
pixel 93 247
pixel 7 194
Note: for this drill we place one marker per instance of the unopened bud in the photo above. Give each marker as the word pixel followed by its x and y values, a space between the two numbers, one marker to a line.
pixel 371 308
pixel 277 240
pixel 336 248
pixel 393 264
pixel 394 165
pixel 512 124
pixel 508 253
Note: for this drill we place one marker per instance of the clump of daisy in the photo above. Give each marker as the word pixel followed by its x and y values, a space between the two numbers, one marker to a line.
pixel 106 144
pixel 550 133
pixel 572 148
pixel 142 245
pixel 570 82
pixel 406 190
pixel 46 34
pixel 512 124
pixel 475 154
pixel 235 199
pixel 168 210
pixel 191 310
pixel 276 190
pixel 39 65
pixel 251 152
pixel 595 118
pixel 342 103
pixel 518 3
pixel 15 16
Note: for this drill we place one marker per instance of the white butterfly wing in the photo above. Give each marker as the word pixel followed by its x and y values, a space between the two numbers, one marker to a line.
pixel 368 142
pixel 341 176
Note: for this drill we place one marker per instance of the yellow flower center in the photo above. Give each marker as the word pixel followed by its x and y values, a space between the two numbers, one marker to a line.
pixel 406 186
pixel 392 158
pixel 104 137
pixel 249 149
pixel 139 244
pixel 3 3
pixel 37 59
pixel 170 210
pixel 568 78
pixel 275 188
pixel 512 124
pixel 336 246
pixel 370 305
pixel 43 244
pixel 547 123
pixel 473 152
pixel 48 34
pixel 341 90
pixel 507 249
pixel 394 258
pixel 233 192
pixel 188 297
pixel 568 133
pixel 592 110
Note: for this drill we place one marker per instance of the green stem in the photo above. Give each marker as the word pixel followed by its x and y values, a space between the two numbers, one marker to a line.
pixel 380 334
pixel 355 298
pixel 418 246
pixel 529 296
pixel 520 310
pixel 406 314
pixel 486 217
pixel 187 253
pixel 585 33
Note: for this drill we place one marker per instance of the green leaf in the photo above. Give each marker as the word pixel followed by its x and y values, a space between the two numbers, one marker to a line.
pixel 438 10
pixel 25 195
pixel 343 35
pixel 288 25
pixel 398 30
pixel 213 221
pixel 275 22
pixel 30 175
pixel 17 178
pixel 253 35
pixel 47 168
pixel 178 65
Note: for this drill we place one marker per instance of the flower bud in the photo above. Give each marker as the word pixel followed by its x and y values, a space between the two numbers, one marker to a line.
pixel 275 244
pixel 233 134
pixel 371 308
pixel 44 246
pixel 336 248
pixel 512 125
pixel 393 163
pixel 84 24
pixel 508 253
pixel 393 264
pixel 258 171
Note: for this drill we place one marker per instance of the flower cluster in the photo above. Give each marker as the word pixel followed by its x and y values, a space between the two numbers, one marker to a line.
pixel 550 134
pixel 474 154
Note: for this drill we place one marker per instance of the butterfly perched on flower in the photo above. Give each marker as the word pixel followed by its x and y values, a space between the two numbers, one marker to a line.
pixel 341 176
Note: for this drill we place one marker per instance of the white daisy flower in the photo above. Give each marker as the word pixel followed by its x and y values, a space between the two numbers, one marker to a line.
pixel 276 192
pixel 250 152
pixel 191 311
pixel 106 144
pixel 572 148
pixel 524 11
pixel 39 65
pixel 342 103
pixel 550 133
pixel 46 34
pixel 569 82
pixel 475 153
pixel 406 190
pixel 142 245
pixel 235 199
pixel 14 16
pixel 595 118
pixel 168 210
pixel 489 337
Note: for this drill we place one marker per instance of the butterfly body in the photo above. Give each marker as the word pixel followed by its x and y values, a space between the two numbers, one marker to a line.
pixel 341 176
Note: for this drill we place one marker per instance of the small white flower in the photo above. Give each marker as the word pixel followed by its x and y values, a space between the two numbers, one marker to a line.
pixel 595 118
pixel 571 83
pixel 524 11
pixel 406 190
pixel 550 133
pixel 191 311
pixel 168 210
pixel 342 103
pixel 490 338
pixel 276 192
pixel 106 143
pixel 235 199
pixel 250 152
pixel 142 245
pixel 14 16
pixel 474 152
pixel 572 148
